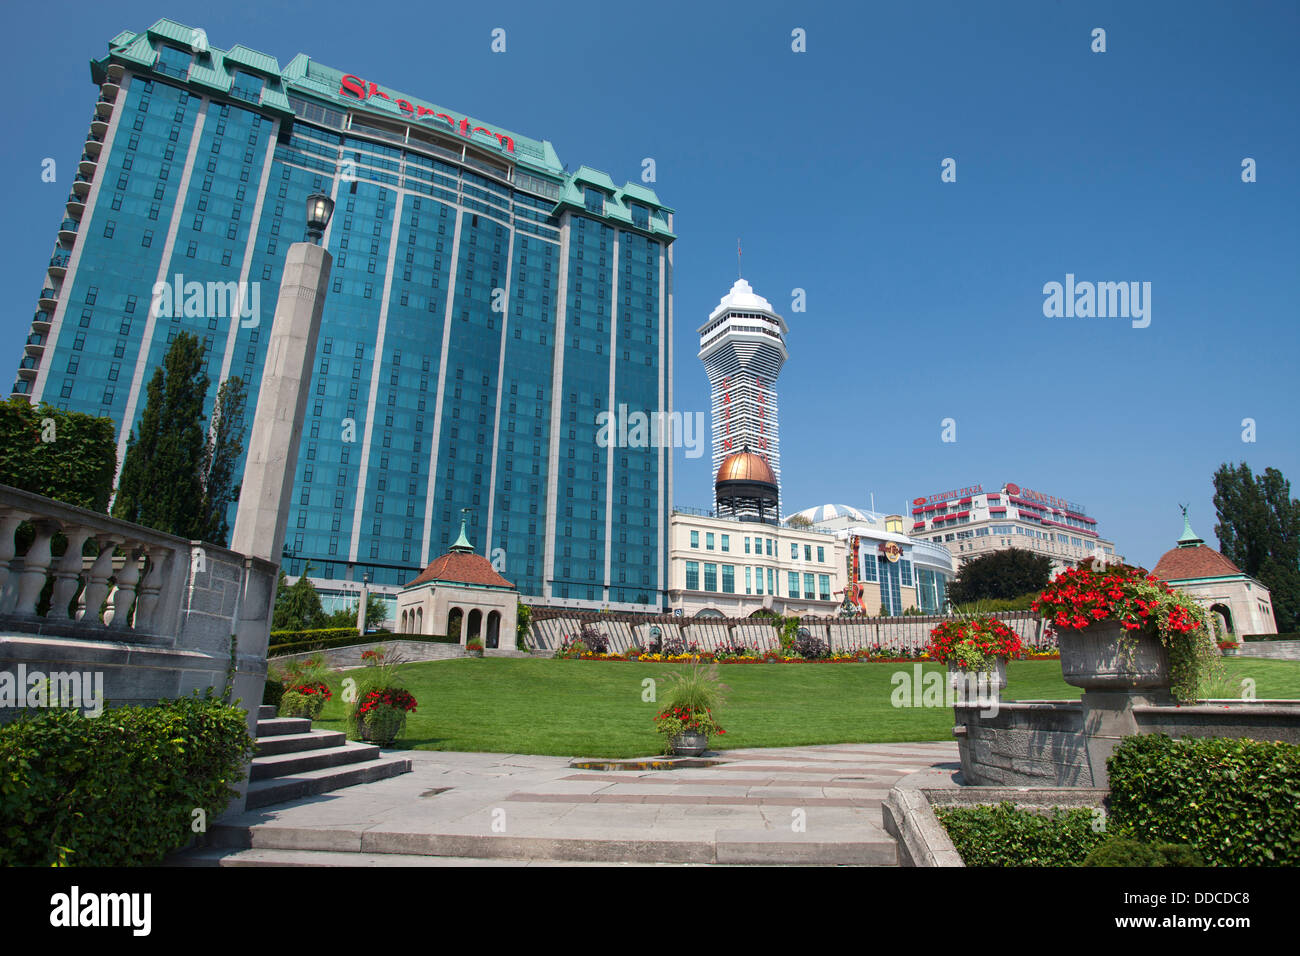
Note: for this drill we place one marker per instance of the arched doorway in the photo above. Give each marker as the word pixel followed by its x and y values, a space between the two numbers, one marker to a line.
pixel 419 620
pixel 1223 619
pixel 474 624
pixel 454 619
pixel 493 638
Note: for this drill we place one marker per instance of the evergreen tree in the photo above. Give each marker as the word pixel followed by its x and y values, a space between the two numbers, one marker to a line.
pixel 221 455
pixel 1259 531
pixel 297 606
pixel 161 482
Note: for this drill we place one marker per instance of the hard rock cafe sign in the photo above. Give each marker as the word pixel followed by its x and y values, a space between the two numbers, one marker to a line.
pixel 891 551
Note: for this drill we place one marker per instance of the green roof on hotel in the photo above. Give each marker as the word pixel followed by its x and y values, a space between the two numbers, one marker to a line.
pixel 214 69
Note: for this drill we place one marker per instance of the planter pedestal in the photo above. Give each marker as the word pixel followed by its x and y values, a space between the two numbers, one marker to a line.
pixel 690 744
pixel 1117 669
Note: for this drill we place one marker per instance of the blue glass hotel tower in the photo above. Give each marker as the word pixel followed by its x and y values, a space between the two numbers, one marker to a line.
pixel 484 308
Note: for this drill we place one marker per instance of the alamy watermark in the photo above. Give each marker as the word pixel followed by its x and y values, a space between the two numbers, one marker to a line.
pixel 929 689
pixel 1101 300
pixel 83 690
pixel 619 429
pixel 207 300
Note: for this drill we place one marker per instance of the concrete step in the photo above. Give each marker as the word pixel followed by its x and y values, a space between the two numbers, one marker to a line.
pixel 276 726
pixel 736 847
pixel 266 711
pixel 300 761
pixel 308 783
pixel 316 858
pixel 294 743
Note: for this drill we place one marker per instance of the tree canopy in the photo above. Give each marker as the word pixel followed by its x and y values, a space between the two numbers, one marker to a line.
pixel 67 456
pixel 1000 575
pixel 1259 531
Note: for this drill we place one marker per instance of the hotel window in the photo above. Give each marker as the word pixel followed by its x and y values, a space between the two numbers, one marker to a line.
pixel 708 541
pixel 747 544
pixel 710 577
pixel 726 542
pixel 728 579
pixel 749 586
pixel 905 568
pixel 794 551
pixel 771 579
pixel 824 586
pixel 692 575
pixel 808 592
pixel 758 577
pixel 807 552
pixel 792 579
pixel 771 546
pixel 821 555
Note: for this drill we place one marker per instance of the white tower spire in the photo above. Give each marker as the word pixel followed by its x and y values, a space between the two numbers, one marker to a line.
pixel 742 346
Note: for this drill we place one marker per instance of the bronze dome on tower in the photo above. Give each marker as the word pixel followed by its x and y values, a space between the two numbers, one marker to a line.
pixel 746 488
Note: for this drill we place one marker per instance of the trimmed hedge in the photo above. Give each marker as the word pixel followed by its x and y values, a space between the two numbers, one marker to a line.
pixel 352 638
pixel 119 789
pixel 1236 802
pixel 319 636
pixel 1004 835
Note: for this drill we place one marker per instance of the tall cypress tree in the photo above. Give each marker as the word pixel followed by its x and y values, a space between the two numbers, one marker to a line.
pixel 161 483
pixel 1259 531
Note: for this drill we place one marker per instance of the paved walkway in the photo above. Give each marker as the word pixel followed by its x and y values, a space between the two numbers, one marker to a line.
pixel 787 805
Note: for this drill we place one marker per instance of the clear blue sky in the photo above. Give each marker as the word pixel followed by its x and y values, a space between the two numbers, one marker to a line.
pixel 924 299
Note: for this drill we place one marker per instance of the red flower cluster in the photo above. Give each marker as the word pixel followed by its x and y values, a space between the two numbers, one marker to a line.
pixel 1080 596
pixel 691 722
pixel 320 689
pixel 987 635
pixel 399 699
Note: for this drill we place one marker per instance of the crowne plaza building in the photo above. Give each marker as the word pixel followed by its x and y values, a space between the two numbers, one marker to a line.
pixel 484 307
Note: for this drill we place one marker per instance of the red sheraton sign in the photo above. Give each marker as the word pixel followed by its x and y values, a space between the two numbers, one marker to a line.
pixel 359 89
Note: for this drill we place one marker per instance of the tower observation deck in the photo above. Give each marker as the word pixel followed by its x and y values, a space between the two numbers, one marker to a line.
pixel 742 346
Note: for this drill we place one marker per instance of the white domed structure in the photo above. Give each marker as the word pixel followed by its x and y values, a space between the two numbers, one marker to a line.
pixel 831 512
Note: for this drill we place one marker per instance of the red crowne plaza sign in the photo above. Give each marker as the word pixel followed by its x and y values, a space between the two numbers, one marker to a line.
pixel 359 89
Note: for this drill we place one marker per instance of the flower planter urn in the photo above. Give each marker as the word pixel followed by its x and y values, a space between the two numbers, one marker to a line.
pixel 1104 656
pixel 474 652
pixel 1233 651
pixel 690 744
pixel 978 686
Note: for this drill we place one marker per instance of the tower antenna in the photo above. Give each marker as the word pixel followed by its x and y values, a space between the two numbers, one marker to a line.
pixel 738 275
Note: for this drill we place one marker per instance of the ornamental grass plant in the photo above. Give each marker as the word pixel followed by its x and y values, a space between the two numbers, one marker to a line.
pixel 382 701
pixel 689 698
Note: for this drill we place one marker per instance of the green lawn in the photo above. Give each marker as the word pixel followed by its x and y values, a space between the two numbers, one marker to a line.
pixel 595 708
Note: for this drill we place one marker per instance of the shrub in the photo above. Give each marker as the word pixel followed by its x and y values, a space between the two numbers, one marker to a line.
pixel 118 789
pixel 1004 835
pixel 1232 800
pixel 810 648
pixel 595 640
pixel 272 692
pixel 1124 851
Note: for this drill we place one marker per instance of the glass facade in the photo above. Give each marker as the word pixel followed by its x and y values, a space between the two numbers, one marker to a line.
pixel 484 307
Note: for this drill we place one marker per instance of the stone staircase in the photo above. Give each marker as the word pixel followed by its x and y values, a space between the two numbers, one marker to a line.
pixel 294 761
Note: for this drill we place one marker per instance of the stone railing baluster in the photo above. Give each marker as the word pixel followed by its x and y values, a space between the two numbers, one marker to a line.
pixel 96 590
pixel 146 603
pixel 36 565
pixel 67 574
pixel 124 592
pixel 9 522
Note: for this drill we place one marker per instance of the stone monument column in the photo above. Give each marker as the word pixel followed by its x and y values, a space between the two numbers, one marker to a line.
pixel 265 496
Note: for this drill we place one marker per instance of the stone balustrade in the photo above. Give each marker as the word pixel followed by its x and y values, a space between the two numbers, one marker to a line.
pixel 155 615
pixel 129 586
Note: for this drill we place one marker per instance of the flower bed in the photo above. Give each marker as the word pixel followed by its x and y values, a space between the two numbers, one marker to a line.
pixel 876 656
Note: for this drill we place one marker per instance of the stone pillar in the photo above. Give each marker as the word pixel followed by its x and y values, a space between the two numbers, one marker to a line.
pixel 265 495
pixel 361 608
pixel 1107 719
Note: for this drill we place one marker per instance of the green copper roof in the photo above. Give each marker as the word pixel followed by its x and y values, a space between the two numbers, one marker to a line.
pixel 1189 538
pixel 214 69
pixel 462 541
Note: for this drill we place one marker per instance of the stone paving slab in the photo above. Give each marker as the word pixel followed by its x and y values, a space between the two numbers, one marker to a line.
pixel 797 805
